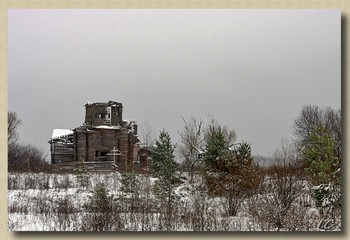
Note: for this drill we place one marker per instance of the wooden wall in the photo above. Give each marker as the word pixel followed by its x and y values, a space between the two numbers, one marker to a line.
pixel 88 142
pixel 61 151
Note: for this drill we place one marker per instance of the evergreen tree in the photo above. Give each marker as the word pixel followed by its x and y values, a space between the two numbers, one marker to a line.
pixel 320 155
pixel 82 174
pixel 130 189
pixel 218 141
pixel 233 175
pixel 99 209
pixel 164 167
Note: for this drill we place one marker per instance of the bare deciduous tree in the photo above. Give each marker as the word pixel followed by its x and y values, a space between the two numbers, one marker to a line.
pixel 312 116
pixel 26 158
pixel 22 157
pixel 13 122
pixel 191 143
pixel 284 185
pixel 147 134
pixel 286 153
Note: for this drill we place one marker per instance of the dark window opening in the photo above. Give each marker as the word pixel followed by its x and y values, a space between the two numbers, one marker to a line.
pixel 101 155
pixel 103 115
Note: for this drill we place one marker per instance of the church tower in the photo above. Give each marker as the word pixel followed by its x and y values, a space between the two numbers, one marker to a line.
pixel 109 114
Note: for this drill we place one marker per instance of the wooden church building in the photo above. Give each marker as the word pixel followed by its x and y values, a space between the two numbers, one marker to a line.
pixel 104 142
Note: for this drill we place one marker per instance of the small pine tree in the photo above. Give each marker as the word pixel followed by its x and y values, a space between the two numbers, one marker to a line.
pixel 82 174
pixel 99 209
pixel 164 167
pixel 218 141
pixel 320 155
pixel 130 189
pixel 163 163
pixel 230 172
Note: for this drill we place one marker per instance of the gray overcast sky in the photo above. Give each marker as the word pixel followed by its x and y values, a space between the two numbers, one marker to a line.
pixel 253 70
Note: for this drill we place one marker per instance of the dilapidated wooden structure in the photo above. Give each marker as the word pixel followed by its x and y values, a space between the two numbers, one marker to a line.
pixel 104 142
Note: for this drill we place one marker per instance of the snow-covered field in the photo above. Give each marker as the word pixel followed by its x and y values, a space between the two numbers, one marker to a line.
pixel 55 202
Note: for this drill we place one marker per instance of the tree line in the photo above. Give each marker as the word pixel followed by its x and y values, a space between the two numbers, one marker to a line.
pixel 222 168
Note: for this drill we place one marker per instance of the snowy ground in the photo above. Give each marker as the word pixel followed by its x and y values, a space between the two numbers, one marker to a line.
pixel 54 202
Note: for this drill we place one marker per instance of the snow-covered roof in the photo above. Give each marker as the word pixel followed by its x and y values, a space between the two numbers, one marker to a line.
pixel 107 127
pixel 57 133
